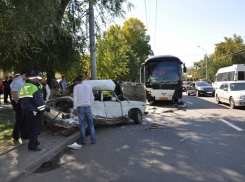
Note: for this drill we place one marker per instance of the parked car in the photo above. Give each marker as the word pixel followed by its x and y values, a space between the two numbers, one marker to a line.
pixel 108 108
pixel 200 88
pixel 184 86
pixel 231 93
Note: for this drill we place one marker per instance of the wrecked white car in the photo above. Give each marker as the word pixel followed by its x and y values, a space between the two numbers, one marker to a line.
pixel 107 109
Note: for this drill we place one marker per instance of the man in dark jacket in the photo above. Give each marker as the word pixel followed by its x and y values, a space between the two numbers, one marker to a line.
pixel 33 106
pixel 6 89
pixel 118 88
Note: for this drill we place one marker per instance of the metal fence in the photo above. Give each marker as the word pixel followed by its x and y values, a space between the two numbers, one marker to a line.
pixel 134 91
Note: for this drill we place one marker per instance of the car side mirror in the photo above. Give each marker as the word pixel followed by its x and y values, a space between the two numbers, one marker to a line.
pixel 225 89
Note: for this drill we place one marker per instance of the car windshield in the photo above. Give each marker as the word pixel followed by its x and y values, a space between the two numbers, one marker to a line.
pixel 237 86
pixel 202 84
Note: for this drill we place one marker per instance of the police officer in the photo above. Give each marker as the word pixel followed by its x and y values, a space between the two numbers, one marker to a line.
pixel 20 124
pixel 33 106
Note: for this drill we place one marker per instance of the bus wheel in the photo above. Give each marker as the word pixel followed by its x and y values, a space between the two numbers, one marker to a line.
pixel 175 99
pixel 232 103
pixel 137 116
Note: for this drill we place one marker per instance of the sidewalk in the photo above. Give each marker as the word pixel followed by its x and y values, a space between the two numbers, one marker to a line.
pixel 18 162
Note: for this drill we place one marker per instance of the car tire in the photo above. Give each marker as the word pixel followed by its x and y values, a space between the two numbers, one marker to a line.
pixel 188 93
pixel 197 94
pixel 137 117
pixel 217 99
pixel 232 103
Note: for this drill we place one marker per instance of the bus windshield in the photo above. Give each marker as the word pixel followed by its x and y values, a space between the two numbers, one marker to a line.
pixel 162 72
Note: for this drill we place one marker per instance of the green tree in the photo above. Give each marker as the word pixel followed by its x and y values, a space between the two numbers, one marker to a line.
pixel 48 35
pixel 112 59
pixel 139 48
pixel 229 52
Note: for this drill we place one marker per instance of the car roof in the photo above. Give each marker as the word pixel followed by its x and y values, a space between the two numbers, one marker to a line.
pixel 96 85
pixel 108 85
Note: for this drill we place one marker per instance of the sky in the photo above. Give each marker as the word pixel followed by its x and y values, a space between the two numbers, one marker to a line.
pixel 178 27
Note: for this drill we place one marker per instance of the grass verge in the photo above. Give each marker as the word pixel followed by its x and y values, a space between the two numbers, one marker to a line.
pixel 7 121
pixel 6 127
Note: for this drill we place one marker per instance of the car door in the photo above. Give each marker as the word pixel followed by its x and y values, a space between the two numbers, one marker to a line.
pixel 220 92
pixel 225 92
pixel 98 108
pixel 112 106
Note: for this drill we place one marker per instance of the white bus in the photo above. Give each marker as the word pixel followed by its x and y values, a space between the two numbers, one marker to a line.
pixel 234 73
pixel 162 78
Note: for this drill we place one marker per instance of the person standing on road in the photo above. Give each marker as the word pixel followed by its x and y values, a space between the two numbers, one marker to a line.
pixel 20 124
pixel 33 106
pixel 62 84
pixel 83 98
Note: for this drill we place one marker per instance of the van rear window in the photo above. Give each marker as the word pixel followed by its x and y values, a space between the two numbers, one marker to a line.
pixel 241 75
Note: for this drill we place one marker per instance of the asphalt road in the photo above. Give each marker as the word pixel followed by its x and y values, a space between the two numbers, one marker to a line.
pixel 204 142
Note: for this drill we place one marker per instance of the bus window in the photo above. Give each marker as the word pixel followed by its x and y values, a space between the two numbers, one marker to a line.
pixel 241 75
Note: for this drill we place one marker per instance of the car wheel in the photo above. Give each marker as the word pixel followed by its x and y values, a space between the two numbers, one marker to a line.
pixel 232 103
pixel 217 99
pixel 188 93
pixel 197 94
pixel 137 116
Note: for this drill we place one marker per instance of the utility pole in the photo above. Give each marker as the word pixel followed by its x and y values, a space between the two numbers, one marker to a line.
pixel 92 41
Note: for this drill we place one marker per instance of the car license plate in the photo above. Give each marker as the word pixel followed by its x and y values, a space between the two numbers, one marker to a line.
pixel 209 92
pixel 163 98
pixel 55 113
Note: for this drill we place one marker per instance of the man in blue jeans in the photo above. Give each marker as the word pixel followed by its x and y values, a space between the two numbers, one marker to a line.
pixel 83 98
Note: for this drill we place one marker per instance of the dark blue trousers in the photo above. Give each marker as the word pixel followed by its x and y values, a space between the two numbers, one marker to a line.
pixel 34 123
pixel 20 124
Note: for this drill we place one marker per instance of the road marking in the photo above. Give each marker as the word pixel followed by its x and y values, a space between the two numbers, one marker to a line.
pixel 232 125
pixel 189 102
pixel 187 137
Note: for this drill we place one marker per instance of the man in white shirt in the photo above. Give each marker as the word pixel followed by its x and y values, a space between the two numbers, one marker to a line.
pixel 83 98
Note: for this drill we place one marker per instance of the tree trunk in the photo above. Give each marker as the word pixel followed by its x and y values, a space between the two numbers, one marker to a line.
pixel 51 80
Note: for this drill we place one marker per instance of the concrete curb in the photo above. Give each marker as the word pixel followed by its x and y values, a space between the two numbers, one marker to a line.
pixel 48 154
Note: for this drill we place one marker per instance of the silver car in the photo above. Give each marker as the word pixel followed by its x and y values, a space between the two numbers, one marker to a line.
pixel 232 93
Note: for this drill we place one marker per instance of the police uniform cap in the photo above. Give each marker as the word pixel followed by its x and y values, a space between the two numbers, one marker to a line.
pixel 40 76
pixel 32 74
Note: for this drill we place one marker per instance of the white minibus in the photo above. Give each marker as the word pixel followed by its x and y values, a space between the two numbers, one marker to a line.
pixel 234 73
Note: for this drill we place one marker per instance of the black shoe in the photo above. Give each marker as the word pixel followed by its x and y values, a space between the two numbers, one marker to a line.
pixel 93 142
pixel 37 149
pixel 38 143
pixel 15 137
pixel 83 143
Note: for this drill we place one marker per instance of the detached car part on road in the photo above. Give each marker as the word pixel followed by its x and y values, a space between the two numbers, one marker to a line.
pixel 231 93
pixel 107 109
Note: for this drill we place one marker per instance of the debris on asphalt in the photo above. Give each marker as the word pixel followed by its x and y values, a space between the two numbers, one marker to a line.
pixel 74 146
pixel 187 138
pixel 167 110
